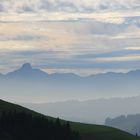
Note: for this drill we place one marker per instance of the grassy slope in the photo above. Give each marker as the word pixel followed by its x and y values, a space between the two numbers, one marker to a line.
pixel 87 131
pixel 98 132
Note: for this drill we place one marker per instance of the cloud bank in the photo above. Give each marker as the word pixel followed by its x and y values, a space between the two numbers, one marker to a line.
pixel 68 6
pixel 80 36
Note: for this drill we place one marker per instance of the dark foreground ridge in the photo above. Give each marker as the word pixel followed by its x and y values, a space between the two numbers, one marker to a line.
pixel 18 123
pixel 25 126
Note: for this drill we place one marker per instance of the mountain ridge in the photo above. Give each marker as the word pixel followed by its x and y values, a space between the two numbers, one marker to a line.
pixel 26 71
pixel 33 84
pixel 27 67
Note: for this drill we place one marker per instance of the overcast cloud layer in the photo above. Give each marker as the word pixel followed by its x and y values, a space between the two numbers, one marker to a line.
pixel 68 5
pixel 79 36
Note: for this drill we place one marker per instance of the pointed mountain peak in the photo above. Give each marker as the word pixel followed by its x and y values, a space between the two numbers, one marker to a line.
pixel 27 72
pixel 26 66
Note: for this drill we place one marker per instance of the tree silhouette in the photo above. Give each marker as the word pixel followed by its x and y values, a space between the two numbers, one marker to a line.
pixel 25 126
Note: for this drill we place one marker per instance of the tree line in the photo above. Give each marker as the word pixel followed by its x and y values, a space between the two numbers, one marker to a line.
pixel 25 126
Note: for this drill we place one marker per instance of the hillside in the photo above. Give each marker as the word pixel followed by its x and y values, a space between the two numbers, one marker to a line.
pixel 23 124
pixel 87 132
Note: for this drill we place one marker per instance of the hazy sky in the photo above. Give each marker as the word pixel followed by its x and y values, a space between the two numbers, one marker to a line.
pixel 80 36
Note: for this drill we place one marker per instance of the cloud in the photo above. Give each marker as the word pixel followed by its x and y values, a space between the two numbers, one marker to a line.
pixel 119 59
pixel 88 36
pixel 86 64
pixel 137 48
pixel 25 9
pixel 117 11
pixel 117 53
pixel 71 6
pixel 93 5
pixel 20 37
pixel 1 8
pixel 65 6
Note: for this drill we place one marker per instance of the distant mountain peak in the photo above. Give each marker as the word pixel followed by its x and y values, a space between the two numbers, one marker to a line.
pixel 26 66
pixel 26 71
pixel 134 73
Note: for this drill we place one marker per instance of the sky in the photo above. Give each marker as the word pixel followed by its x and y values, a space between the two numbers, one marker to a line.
pixel 78 36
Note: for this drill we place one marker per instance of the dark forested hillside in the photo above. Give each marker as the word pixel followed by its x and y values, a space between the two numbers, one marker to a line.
pixel 25 126
pixel 19 123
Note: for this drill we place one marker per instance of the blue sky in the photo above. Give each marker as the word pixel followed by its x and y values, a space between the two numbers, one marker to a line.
pixel 80 36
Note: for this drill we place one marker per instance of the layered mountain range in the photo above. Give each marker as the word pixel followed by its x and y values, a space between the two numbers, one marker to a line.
pixel 35 85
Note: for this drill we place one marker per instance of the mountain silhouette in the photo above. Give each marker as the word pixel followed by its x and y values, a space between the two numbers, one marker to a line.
pixel 26 66
pixel 129 123
pixel 26 71
pixel 134 73
pixel 34 82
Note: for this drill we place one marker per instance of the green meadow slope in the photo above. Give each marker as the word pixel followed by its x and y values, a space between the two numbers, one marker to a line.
pixel 99 132
pixel 87 131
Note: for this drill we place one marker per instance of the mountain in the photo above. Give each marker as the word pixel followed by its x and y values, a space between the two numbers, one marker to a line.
pixel 23 116
pixel 34 85
pixel 27 72
pixel 135 73
pixel 129 123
